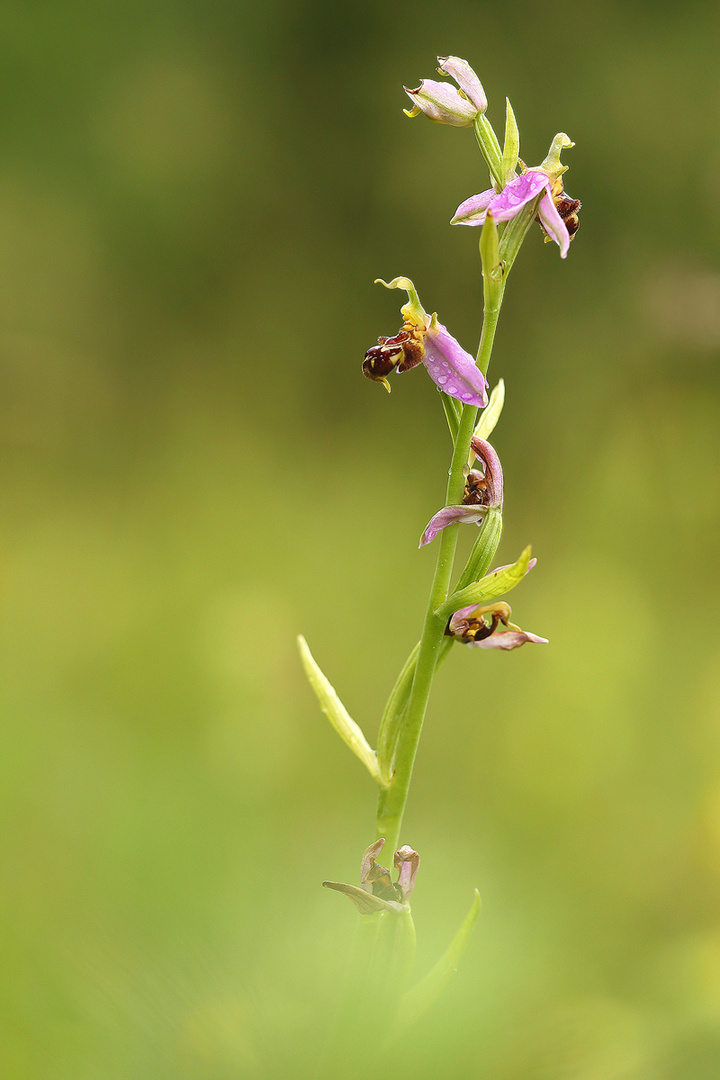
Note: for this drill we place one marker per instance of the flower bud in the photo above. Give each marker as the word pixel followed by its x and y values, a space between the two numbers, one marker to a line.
pixel 442 103
pixel 406 863
pixel 478 626
pixel 447 104
pixel 466 79
pixel 377 891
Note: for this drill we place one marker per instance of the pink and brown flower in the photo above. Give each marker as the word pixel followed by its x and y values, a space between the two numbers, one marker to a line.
pixel 377 891
pixel 483 492
pixel 424 340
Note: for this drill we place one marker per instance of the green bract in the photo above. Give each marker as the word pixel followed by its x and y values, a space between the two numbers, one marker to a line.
pixel 511 149
pixel 489 587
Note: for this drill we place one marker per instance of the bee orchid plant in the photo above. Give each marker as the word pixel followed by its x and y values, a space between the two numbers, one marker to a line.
pixel 469 610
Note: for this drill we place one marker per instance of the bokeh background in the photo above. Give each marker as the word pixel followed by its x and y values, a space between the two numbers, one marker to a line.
pixel 195 197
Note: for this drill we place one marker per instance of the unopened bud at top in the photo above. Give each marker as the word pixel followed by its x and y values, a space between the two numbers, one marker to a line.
pixel 466 79
pixel 447 104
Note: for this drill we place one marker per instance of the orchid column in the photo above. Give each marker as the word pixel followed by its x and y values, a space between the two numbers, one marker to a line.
pixel 468 612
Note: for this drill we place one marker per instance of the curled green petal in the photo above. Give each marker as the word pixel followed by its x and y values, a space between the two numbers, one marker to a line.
pixel 551 165
pixel 417 1001
pixel 511 149
pixel 489 587
pixel 413 311
pixel 337 714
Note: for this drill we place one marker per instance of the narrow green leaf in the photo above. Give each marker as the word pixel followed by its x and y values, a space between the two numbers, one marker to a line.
pixel 417 1001
pixel 337 714
pixel 489 587
pixel 490 414
pixel 392 717
pixel 511 149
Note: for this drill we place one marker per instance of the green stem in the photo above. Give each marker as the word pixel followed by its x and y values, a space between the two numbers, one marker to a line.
pixel 487 338
pixel 393 798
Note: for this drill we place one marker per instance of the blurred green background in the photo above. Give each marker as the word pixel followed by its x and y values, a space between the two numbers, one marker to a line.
pixel 194 200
